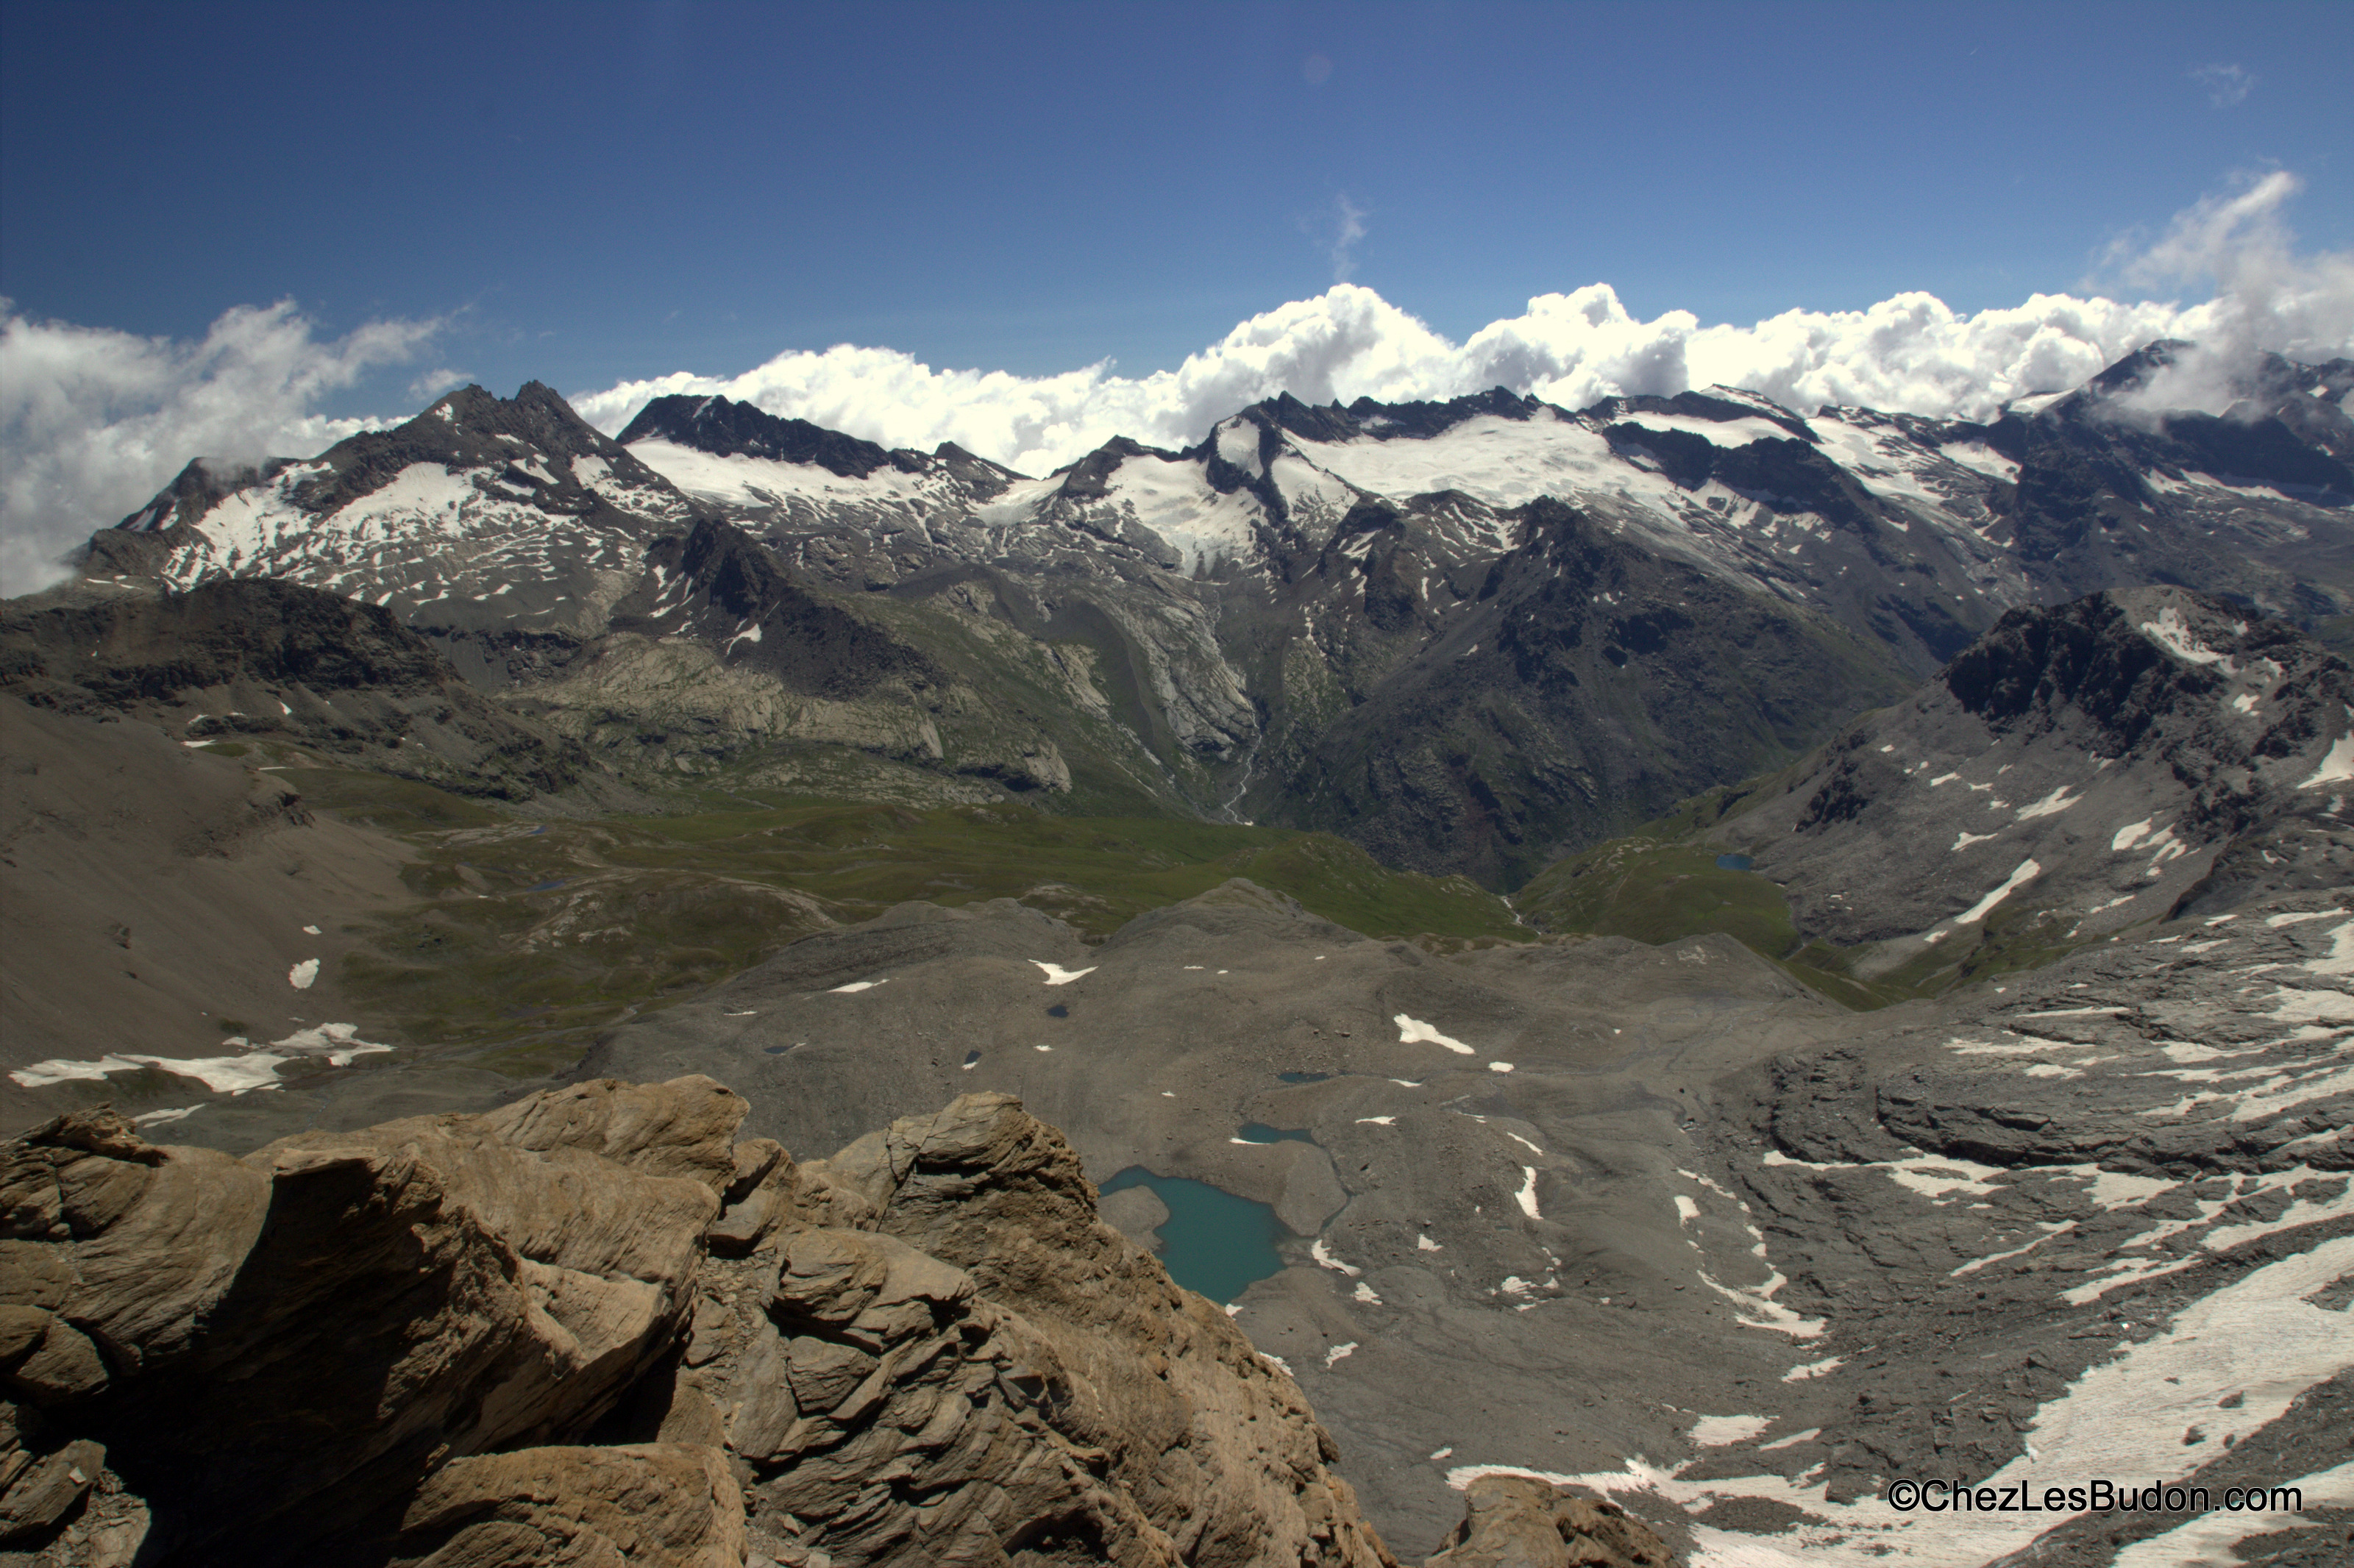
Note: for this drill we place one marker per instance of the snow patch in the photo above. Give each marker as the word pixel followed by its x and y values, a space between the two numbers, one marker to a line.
pixel 2171 632
pixel 2051 805
pixel 157 1118
pixel 339 1044
pixel 1415 1032
pixel 1718 432
pixel 1722 1431
pixel 2338 767
pixel 1324 1259
pixel 1801 1374
pixel 2026 872
pixel 1238 444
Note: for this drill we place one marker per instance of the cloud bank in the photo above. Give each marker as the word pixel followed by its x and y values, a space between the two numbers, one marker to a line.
pixel 93 421
pixel 2267 296
pixel 1910 353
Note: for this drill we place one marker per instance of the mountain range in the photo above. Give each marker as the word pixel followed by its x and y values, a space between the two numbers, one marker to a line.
pixel 1469 635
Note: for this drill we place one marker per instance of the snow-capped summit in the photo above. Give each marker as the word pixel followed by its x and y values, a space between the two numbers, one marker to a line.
pixel 479 513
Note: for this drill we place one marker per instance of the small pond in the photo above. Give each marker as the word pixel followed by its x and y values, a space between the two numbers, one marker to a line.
pixel 1301 1077
pixel 1260 1132
pixel 1211 1242
pixel 1732 863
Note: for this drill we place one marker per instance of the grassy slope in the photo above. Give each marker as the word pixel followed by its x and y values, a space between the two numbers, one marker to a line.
pixel 528 937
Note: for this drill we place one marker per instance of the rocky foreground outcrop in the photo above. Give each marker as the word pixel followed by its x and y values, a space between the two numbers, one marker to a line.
pixel 592 1328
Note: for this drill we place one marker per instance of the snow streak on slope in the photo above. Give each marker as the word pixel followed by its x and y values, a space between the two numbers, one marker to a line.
pixel 430 543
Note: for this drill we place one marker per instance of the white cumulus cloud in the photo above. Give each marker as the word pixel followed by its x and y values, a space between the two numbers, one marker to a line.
pixel 2267 294
pixel 93 420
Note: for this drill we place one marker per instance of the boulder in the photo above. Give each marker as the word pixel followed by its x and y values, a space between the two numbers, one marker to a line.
pixel 1518 1522
pixel 45 1489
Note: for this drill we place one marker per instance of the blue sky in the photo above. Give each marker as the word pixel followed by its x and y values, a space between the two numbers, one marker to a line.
pixel 601 191
pixel 237 230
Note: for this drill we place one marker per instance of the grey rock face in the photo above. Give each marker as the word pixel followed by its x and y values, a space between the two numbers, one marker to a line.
pixel 1582 683
pixel 241 658
pixel 2134 753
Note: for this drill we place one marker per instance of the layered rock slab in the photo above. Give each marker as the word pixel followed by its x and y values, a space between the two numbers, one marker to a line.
pixel 1173 1439
pixel 292 1341
pixel 590 1329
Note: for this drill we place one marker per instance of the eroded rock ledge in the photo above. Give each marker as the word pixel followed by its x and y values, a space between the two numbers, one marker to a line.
pixel 590 1330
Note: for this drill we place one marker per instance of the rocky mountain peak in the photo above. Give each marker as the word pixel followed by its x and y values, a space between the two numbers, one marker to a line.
pixel 1089 479
pixel 529 441
pixel 537 415
pixel 983 479
pixel 2123 658
pixel 1390 422
pixel 726 428
pixel 2136 370
pixel 199 487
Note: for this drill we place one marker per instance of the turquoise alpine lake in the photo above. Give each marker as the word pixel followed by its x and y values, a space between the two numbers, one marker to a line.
pixel 1211 1242
pixel 1732 863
